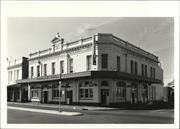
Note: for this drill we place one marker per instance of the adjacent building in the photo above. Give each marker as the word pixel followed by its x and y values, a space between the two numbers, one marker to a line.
pixel 169 92
pixel 17 69
pixel 98 70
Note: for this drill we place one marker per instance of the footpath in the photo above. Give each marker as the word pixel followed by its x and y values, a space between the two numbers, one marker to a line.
pixel 68 110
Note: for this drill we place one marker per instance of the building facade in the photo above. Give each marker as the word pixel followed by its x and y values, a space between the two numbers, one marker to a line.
pixel 98 70
pixel 17 70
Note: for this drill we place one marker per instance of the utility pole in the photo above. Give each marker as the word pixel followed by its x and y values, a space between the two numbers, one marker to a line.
pixel 59 96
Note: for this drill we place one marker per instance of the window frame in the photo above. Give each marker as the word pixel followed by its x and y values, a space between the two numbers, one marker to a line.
pixel 53 71
pixel 104 61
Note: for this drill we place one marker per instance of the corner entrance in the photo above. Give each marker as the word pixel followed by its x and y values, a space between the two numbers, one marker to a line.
pixel 104 96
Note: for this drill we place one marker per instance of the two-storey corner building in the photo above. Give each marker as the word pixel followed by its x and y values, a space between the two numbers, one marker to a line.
pixel 17 70
pixel 98 70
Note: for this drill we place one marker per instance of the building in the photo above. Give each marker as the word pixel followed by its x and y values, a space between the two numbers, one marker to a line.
pixel 98 70
pixel 17 69
pixel 169 92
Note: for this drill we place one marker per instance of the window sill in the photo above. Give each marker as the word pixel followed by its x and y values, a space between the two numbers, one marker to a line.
pixel 86 98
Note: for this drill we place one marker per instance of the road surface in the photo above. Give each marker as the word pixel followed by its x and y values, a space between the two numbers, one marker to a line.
pixel 163 116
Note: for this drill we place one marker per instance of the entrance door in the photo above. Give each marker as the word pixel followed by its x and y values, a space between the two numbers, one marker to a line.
pixel 69 97
pixel 104 95
pixel 133 98
pixel 45 96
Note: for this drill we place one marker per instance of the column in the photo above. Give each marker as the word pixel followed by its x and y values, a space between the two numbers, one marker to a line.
pixel 29 92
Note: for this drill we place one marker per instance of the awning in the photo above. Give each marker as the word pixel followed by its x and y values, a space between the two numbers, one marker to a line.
pixel 91 74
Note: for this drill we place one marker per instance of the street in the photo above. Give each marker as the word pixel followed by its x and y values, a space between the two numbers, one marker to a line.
pixel 163 116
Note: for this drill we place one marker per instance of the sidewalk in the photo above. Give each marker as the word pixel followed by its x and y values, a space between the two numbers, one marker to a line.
pixel 64 113
pixel 55 106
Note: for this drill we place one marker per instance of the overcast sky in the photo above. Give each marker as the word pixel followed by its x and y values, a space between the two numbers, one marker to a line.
pixel 154 35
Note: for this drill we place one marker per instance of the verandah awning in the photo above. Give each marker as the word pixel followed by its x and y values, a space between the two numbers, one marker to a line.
pixel 90 74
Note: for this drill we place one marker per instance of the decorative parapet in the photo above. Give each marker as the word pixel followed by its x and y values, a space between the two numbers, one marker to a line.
pixel 64 47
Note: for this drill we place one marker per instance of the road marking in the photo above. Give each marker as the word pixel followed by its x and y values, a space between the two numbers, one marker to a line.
pixel 46 111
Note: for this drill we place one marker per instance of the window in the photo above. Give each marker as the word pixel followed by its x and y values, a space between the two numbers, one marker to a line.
pixel 81 93
pixel 118 63
pixel 86 93
pixel 45 69
pixel 142 69
pixel 152 72
pixel 104 83
pixel 132 67
pixel 34 93
pixel 85 90
pixel 121 92
pixel 53 68
pixel 90 92
pixel 121 89
pixel 17 75
pixel 88 58
pixel 11 75
pixel 32 72
pixel 61 66
pixel 56 93
pixel 38 71
pixel 104 61
pixel 71 65
pixel 14 75
pixel 145 70
pixel 136 68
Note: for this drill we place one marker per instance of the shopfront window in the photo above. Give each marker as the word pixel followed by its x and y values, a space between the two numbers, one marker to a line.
pixel 34 93
pixel 121 89
pixel 85 91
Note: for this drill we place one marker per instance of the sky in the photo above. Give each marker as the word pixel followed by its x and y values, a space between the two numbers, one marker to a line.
pixel 153 34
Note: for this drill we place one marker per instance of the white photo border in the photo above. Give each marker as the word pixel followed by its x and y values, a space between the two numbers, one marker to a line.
pixel 90 9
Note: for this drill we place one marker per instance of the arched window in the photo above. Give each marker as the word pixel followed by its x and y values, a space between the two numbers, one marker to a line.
pixel 104 83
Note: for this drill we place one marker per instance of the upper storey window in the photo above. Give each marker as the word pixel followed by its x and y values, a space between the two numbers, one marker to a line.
pixel 45 69
pixel 38 71
pixel 53 68
pixel 144 70
pixel 134 67
pixel 32 72
pixel 118 63
pixel 61 66
pixel 152 72
pixel 71 65
pixel 104 61
pixel 88 58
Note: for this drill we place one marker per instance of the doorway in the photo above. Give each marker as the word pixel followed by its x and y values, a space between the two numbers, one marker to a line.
pixel 45 96
pixel 69 97
pixel 104 96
